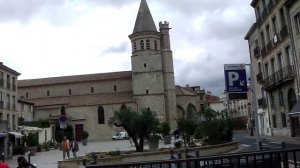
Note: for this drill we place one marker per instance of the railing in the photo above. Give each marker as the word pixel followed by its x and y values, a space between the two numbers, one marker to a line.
pixel 284 74
pixel 262 102
pixel 283 158
pixel 259 77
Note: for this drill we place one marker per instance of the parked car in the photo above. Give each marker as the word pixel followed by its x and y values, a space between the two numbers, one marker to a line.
pixel 120 135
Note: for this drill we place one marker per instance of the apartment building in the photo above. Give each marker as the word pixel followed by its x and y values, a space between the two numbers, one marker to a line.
pixel 273 60
pixel 8 102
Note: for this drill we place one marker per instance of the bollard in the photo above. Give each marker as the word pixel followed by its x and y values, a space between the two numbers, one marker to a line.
pixel 283 145
pixel 29 156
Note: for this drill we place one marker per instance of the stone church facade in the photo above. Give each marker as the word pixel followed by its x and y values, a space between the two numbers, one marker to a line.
pixel 90 100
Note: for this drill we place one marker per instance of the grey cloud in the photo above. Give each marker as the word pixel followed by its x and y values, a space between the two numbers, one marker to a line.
pixel 117 49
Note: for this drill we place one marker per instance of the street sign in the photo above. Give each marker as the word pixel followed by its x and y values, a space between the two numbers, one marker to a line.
pixel 235 78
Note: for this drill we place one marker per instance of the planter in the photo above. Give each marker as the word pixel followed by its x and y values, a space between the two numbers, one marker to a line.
pixel 32 150
pixel 153 144
pixel 167 140
pixel 84 142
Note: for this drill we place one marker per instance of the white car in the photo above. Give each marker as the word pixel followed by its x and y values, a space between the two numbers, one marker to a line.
pixel 120 135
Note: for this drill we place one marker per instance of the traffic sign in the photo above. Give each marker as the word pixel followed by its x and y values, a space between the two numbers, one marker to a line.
pixel 235 78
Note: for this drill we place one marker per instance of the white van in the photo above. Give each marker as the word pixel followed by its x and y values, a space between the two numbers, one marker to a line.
pixel 120 135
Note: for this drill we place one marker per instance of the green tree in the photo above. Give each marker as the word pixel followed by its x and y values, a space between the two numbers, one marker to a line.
pixel 138 125
pixel 187 129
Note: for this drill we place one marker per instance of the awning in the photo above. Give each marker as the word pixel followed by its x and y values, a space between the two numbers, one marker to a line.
pixel 295 110
pixel 16 134
pixel 2 135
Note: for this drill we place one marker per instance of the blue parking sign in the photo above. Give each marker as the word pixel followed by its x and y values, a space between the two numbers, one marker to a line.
pixel 235 78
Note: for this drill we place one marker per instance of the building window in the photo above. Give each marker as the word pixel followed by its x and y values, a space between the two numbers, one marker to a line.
pixel 272 101
pixel 1 116
pixel 14 102
pixel 268 33
pixel 262 38
pixel 297 23
pixel 26 94
pixel 14 83
pixel 8 101
pixel 282 18
pixel 283 120
pixel 145 65
pixel 8 120
pixel 70 91
pixel 147 44
pixel 142 45
pixel 274 121
pixel 115 88
pixel 274 24
pixel 155 45
pixel 101 115
pixel 8 81
pixel 92 89
pixel 288 55
pixel 134 46
pixel 48 93
pixel 279 61
pixel 281 103
pixel 147 91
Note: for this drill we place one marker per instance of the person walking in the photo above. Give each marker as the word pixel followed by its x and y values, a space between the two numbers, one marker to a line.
pixel 66 147
pixel 74 148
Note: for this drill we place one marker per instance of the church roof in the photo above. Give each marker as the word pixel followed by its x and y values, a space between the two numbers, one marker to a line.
pixel 180 91
pixel 144 21
pixel 75 78
pixel 86 100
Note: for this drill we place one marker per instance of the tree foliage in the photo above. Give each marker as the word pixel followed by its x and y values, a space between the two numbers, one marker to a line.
pixel 187 129
pixel 138 125
pixel 215 127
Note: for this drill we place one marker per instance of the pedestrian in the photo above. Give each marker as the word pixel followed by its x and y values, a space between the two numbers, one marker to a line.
pixel 74 147
pixel 66 147
pixel 23 163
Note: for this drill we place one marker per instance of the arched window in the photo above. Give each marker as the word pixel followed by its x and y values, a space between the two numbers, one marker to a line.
pixel 26 94
pixel 92 89
pixel 142 45
pixel 147 91
pixel 115 88
pixel 147 44
pixel 123 107
pixel 134 46
pixel 101 115
pixel 155 44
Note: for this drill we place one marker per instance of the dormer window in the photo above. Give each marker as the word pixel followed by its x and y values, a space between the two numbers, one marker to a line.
pixel 155 44
pixel 147 44
pixel 142 45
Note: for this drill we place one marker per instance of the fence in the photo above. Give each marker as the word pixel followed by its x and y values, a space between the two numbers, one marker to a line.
pixel 279 158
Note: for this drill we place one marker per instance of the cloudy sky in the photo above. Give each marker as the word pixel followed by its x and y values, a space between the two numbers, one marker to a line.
pixel 48 38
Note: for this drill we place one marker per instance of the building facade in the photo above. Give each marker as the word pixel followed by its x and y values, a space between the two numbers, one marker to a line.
pixel 8 106
pixel 273 60
pixel 90 100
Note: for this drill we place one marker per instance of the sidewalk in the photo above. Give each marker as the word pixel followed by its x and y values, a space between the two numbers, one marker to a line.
pixel 293 140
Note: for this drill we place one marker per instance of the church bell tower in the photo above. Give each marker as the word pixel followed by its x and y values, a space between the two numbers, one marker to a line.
pixel 152 66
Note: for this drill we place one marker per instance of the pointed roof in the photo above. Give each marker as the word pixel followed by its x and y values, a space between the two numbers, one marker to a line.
pixel 144 20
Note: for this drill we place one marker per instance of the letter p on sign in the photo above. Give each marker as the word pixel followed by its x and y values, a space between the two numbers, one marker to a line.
pixel 232 76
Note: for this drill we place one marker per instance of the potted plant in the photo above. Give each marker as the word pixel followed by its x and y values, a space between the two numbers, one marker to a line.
pixel 165 131
pixel 31 140
pixel 153 141
pixel 85 136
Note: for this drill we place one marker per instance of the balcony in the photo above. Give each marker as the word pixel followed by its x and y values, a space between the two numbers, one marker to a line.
pixel 259 77
pixel 262 102
pixel 284 32
pixel 263 51
pixel 256 52
pixel 279 77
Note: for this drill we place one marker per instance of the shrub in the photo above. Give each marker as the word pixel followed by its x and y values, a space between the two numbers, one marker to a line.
pixel 164 129
pixel 19 150
pixel 31 139
pixel 85 135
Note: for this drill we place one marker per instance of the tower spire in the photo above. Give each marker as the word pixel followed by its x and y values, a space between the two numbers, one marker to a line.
pixel 144 20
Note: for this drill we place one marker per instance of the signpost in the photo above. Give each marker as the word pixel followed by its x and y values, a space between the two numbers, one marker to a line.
pixel 236 81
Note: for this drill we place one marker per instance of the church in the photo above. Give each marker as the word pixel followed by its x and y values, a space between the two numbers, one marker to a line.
pixel 90 100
